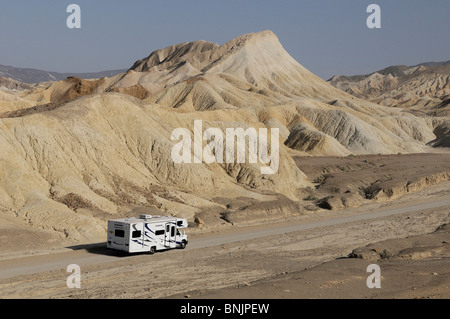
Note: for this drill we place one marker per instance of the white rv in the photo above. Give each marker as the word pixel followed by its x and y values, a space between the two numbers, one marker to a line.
pixel 146 234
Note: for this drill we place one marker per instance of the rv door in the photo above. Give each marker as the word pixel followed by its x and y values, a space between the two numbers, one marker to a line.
pixel 170 235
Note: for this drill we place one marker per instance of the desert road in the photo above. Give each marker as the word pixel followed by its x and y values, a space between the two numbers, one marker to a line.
pixel 98 254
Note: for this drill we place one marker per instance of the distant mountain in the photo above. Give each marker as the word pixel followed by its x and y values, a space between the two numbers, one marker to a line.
pixel 27 75
pixel 433 63
pixel 424 87
pixel 396 70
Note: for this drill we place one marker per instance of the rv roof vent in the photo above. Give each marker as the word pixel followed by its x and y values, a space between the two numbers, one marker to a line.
pixel 145 216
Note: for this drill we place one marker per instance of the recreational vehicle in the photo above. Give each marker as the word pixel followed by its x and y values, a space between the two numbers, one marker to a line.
pixel 146 233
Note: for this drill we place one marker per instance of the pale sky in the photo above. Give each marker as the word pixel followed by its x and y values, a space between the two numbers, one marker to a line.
pixel 326 36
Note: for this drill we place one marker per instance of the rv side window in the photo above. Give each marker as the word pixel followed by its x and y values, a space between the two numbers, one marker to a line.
pixel 172 232
pixel 167 228
pixel 119 233
pixel 136 234
pixel 159 232
pixel 179 223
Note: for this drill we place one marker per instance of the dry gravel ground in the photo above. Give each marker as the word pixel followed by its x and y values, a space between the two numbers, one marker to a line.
pixel 420 269
pixel 303 264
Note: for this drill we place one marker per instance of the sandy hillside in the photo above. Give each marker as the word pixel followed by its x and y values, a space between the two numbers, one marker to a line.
pixel 77 152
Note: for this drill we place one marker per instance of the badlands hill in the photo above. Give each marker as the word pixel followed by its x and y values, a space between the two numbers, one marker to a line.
pixel 423 88
pixel 77 152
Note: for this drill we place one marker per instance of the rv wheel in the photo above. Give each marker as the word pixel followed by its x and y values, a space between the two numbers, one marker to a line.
pixel 152 250
pixel 183 244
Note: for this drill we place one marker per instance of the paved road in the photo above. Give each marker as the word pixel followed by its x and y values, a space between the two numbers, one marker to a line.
pixel 99 254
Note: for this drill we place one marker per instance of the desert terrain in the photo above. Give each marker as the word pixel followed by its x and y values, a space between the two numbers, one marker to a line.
pixel 301 257
pixel 297 256
pixel 363 169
